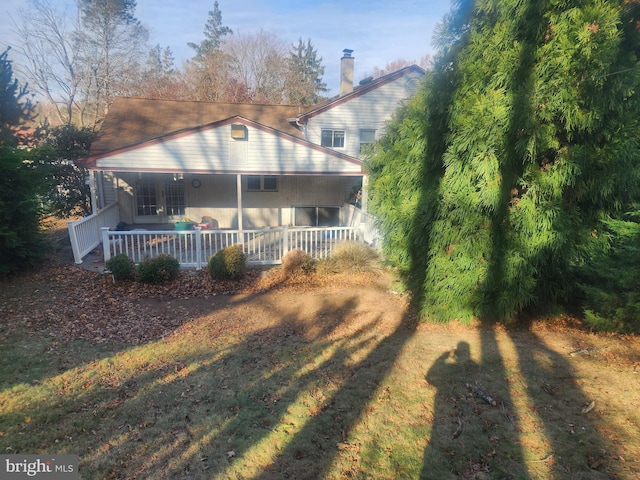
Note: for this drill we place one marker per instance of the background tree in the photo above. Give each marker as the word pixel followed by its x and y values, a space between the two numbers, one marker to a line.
pixel 50 54
pixel 524 140
pixel 68 191
pixel 79 60
pixel 21 241
pixel 158 77
pixel 207 76
pixel 425 63
pixel 16 108
pixel 304 85
pixel 212 80
pixel 259 62
pixel 214 33
pixel 112 44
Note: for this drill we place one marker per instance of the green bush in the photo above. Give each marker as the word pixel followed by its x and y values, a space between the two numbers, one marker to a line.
pixel 296 261
pixel 228 263
pixel 22 242
pixel 158 269
pixel 121 267
pixel 609 281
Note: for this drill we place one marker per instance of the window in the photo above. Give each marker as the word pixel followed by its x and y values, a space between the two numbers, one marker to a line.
pixel 160 195
pixel 146 197
pixel 332 138
pixel 174 193
pixel 239 132
pixel 367 136
pixel 262 183
pixel 316 216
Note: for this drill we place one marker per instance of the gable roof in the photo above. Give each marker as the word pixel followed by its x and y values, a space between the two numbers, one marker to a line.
pixel 132 121
pixel 364 87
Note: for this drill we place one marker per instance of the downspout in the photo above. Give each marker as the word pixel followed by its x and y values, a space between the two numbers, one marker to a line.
pixel 301 126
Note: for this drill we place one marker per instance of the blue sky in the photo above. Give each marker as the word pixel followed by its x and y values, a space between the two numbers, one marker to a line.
pixel 378 31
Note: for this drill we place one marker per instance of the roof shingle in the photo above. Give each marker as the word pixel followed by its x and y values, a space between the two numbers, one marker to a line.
pixel 132 121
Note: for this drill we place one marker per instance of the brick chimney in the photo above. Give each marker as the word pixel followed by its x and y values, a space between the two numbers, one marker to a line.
pixel 346 72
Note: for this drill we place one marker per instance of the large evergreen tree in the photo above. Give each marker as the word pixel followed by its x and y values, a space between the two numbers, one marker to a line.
pixel 15 103
pixel 214 33
pixel 493 184
pixel 304 84
pixel 21 241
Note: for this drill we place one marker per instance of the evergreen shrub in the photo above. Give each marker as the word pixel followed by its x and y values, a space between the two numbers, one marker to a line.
pixel 22 242
pixel 121 267
pixel 158 269
pixel 609 282
pixel 230 263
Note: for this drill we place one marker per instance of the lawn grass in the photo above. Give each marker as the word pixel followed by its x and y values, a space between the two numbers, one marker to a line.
pixel 330 383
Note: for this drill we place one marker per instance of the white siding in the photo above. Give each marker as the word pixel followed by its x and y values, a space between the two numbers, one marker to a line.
pixel 369 111
pixel 213 150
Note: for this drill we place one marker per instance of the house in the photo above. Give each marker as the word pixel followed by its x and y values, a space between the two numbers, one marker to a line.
pixel 248 166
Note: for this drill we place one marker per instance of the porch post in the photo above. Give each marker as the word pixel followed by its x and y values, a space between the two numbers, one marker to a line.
pixel 106 244
pixel 365 193
pixel 73 238
pixel 239 189
pixel 92 189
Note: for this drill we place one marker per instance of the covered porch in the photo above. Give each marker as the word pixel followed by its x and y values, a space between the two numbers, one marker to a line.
pixel 194 247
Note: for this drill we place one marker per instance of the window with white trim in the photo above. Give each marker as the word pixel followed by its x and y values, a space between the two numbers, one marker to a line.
pixel 332 138
pixel 367 137
pixel 262 183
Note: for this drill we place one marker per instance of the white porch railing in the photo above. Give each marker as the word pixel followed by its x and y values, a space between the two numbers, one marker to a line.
pixel 85 233
pixel 193 248
pixel 366 222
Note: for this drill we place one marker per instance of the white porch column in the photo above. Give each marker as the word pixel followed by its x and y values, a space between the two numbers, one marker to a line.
pixel 239 188
pixel 365 193
pixel 92 189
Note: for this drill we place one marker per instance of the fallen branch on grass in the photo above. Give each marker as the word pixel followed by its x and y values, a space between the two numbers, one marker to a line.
pixel 477 392
pixel 458 431
pixel 588 407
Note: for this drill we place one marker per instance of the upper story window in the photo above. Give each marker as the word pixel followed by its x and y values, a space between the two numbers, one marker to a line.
pixel 367 136
pixel 262 183
pixel 332 138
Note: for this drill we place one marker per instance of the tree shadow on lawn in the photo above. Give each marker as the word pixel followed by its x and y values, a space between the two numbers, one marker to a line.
pixel 204 402
pixel 564 415
pixel 276 405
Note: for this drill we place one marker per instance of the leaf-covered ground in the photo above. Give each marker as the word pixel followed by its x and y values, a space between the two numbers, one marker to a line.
pixel 76 303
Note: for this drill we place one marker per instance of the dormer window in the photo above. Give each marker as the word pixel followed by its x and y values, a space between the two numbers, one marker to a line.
pixel 332 138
